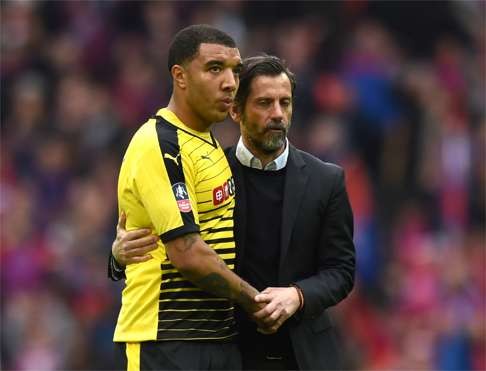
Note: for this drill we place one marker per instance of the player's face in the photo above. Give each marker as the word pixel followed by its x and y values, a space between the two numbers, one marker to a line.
pixel 212 81
pixel 266 116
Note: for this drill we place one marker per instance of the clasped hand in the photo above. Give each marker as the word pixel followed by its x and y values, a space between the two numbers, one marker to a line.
pixel 280 304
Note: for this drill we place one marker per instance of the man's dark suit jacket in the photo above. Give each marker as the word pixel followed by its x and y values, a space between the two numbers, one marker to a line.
pixel 317 250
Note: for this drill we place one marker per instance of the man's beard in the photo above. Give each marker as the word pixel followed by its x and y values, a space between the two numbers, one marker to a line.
pixel 274 141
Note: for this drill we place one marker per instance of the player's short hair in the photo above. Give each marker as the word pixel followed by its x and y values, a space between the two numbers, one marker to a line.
pixel 185 45
pixel 261 65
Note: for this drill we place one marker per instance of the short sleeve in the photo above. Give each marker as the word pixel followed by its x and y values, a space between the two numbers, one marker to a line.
pixel 166 187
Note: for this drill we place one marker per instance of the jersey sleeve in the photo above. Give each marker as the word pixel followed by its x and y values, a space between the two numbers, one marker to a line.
pixel 165 185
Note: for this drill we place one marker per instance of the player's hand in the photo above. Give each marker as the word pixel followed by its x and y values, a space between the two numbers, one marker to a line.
pixel 133 246
pixel 281 304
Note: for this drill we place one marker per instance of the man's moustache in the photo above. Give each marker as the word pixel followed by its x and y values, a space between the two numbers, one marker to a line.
pixel 276 126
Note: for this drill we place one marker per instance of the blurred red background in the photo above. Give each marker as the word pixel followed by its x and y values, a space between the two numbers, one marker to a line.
pixel 392 91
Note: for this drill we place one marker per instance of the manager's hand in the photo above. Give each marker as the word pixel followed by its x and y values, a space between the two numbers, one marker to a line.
pixel 281 304
pixel 132 246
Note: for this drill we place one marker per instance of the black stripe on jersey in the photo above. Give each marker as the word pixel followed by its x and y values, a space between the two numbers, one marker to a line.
pixel 220 314
pixel 172 325
pixel 213 163
pixel 218 251
pixel 215 176
pixel 168 276
pixel 229 261
pixel 195 304
pixel 196 148
pixel 213 218
pixel 230 319
pixel 169 144
pixel 225 250
pixel 212 210
pixel 216 230
pixel 206 190
pixel 178 285
pixel 187 141
pixel 214 143
pixel 199 294
pixel 219 240
pixel 224 335
pixel 166 266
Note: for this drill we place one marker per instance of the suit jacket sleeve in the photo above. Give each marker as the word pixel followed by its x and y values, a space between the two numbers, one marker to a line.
pixel 336 254
pixel 113 273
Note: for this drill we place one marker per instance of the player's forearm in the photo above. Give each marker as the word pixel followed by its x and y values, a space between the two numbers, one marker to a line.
pixel 201 265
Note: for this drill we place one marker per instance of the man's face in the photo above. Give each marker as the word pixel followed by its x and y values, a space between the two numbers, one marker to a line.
pixel 212 81
pixel 266 116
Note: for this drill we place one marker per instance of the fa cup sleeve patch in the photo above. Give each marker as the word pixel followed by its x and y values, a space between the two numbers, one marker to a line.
pixel 182 197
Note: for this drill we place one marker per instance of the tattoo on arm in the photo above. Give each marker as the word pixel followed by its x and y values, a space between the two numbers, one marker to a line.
pixel 189 241
pixel 216 284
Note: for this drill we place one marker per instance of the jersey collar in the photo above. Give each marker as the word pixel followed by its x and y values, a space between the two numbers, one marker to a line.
pixel 174 120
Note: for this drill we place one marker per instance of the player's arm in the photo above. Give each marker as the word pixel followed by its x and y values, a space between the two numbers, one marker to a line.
pixel 201 265
pixel 191 256
pixel 194 259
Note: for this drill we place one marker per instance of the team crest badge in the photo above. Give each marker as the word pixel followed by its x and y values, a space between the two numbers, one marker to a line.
pixel 182 197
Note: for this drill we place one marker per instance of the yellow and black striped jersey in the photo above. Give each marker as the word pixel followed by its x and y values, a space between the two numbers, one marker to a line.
pixel 175 180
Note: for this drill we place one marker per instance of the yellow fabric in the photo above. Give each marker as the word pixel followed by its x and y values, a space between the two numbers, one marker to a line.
pixel 132 352
pixel 157 302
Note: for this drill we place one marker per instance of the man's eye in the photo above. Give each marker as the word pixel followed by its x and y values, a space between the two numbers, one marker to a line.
pixel 215 69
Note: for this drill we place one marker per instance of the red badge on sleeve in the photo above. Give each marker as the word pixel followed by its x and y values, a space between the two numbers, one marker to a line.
pixel 182 197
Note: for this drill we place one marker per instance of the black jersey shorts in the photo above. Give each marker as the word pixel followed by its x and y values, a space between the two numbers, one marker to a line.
pixel 177 355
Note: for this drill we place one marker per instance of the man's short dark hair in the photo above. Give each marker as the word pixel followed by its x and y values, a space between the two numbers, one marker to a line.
pixel 260 65
pixel 186 42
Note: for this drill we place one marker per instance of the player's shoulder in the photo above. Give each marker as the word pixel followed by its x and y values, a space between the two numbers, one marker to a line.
pixel 145 132
pixel 154 135
pixel 144 143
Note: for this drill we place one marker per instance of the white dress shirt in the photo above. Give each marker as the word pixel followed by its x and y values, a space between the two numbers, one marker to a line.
pixel 247 158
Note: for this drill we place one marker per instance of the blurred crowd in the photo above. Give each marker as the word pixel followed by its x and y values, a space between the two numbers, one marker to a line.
pixel 392 91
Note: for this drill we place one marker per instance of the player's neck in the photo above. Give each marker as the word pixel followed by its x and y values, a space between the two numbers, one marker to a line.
pixel 184 113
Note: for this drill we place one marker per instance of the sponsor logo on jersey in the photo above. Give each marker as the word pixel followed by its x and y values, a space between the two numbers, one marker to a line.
pixel 224 191
pixel 182 197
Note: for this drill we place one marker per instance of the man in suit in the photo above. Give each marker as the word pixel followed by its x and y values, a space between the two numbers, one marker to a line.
pixel 293 229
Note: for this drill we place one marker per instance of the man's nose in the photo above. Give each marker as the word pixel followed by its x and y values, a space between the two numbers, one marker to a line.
pixel 229 81
pixel 277 112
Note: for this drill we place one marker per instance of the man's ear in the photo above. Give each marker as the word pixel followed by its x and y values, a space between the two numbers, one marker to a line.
pixel 235 113
pixel 179 76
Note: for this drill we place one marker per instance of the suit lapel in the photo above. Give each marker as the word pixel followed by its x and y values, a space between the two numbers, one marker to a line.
pixel 295 182
pixel 239 214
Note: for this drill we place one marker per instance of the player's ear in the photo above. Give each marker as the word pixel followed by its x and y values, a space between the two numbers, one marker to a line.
pixel 235 112
pixel 179 76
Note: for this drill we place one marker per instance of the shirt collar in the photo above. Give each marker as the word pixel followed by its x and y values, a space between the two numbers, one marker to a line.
pixel 247 159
